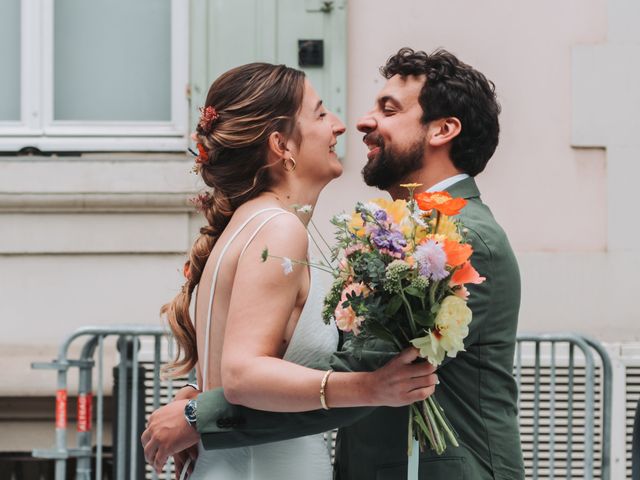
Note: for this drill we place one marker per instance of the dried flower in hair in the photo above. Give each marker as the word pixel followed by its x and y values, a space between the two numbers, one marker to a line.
pixel 208 116
pixel 202 201
pixel 203 155
pixel 186 270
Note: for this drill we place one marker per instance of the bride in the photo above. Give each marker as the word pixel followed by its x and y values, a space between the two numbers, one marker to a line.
pixel 265 143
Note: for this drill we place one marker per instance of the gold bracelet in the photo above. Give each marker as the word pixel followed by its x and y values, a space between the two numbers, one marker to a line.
pixel 323 386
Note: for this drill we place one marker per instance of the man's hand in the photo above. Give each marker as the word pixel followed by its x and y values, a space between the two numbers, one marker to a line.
pixel 167 433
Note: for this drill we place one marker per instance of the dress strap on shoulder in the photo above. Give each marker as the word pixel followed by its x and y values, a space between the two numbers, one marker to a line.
pixel 257 230
pixel 205 366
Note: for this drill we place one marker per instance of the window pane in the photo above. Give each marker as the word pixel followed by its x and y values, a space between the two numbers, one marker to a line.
pixel 112 60
pixel 10 60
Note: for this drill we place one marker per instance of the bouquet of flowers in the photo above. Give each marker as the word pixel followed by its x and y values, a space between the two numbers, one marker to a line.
pixel 401 275
pixel 401 278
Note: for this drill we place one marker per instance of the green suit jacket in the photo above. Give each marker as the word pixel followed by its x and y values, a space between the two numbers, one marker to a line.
pixel 477 389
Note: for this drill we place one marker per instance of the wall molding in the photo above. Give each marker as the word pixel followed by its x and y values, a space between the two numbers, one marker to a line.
pixel 95 202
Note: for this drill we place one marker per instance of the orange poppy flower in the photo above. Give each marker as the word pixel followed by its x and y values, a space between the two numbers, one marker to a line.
pixel 457 253
pixel 466 274
pixel 441 201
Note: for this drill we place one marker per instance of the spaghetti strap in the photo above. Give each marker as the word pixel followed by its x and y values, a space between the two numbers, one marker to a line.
pixel 279 211
pixel 253 235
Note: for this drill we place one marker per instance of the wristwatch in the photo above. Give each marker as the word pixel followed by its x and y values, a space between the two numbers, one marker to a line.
pixel 190 410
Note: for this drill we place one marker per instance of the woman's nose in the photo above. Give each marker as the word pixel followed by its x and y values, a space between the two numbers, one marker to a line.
pixel 338 127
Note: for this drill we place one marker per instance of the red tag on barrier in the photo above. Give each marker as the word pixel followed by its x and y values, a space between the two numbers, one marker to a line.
pixel 61 409
pixel 84 412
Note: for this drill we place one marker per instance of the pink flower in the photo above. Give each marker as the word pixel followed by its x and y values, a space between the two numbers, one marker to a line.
pixel 346 318
pixel 431 260
pixel 345 270
pixel 350 250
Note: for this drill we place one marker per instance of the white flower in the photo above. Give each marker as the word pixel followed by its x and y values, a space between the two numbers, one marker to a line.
pixel 430 348
pixel 417 217
pixel 304 209
pixel 342 218
pixel 287 265
pixel 371 207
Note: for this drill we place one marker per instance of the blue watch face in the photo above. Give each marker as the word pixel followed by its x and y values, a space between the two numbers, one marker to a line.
pixel 190 411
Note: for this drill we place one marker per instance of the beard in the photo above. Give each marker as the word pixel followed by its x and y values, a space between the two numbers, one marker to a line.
pixel 389 167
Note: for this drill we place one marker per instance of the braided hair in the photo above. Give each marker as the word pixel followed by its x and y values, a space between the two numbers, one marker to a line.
pixel 243 108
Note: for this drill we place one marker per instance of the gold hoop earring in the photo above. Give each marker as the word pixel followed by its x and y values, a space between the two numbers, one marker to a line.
pixel 289 164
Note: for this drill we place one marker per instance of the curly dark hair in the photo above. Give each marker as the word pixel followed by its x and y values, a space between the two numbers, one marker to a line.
pixel 454 89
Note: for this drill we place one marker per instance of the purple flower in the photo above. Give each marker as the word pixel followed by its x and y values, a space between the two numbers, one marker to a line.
pixel 380 215
pixel 390 240
pixel 431 260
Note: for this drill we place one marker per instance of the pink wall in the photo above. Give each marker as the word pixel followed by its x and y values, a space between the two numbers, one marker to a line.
pixel 547 195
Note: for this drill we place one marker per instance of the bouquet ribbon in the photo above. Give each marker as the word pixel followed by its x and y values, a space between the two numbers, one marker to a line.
pixel 413 462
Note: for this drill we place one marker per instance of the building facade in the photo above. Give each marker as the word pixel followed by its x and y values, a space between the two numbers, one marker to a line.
pixel 97 101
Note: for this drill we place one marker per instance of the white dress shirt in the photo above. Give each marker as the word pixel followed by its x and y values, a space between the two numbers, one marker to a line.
pixel 447 182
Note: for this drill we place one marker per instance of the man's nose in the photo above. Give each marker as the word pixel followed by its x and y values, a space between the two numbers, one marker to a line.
pixel 366 123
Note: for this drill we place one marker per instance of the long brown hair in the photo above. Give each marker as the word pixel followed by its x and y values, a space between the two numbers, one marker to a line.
pixel 251 102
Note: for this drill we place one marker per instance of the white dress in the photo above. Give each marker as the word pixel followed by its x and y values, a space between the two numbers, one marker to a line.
pixel 298 458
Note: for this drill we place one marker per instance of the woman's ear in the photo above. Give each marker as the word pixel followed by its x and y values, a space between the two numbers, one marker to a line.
pixel 443 130
pixel 277 144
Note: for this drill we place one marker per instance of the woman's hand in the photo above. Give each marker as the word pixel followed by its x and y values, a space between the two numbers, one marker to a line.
pixel 187 393
pixel 167 433
pixel 180 459
pixel 401 381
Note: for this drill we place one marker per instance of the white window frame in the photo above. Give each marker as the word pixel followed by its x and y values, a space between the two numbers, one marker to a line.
pixel 37 128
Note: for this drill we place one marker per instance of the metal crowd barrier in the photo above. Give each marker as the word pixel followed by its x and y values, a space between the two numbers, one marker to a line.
pixel 564 380
pixel 128 390
pixel 565 401
pixel 635 446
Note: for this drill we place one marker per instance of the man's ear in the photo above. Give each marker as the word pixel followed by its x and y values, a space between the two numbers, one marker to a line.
pixel 443 130
pixel 277 144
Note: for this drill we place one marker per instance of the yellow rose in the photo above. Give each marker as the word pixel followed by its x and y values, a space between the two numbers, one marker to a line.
pixel 451 328
pixel 452 322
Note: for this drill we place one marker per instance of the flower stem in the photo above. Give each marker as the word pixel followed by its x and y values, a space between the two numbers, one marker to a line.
pixel 308 264
pixel 313 239
pixel 423 423
pixel 407 306
pixel 438 413
pixel 432 292
pixel 319 234
pixel 440 448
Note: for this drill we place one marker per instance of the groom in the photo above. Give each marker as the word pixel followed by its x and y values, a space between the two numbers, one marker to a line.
pixel 435 122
